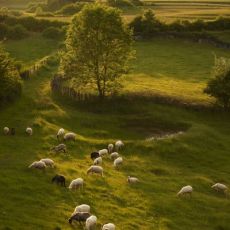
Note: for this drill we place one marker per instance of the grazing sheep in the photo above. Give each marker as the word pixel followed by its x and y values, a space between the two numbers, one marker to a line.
pixel 59 148
pixel 114 155
pixel 59 179
pixel 132 180
pixel 98 161
pixel 69 137
pixel 118 162
pixel 48 162
pixel 95 169
pixel 94 155
pixel 118 145
pixel 103 152
pixel 6 131
pixel 60 133
pixel 108 226
pixel 79 216
pixel 77 183
pixel 12 131
pixel 110 148
pixel 82 208
pixel 91 222
pixel 220 187
pixel 38 165
pixel 185 190
pixel 29 131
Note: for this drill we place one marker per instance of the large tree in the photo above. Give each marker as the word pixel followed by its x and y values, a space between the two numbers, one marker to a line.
pixel 98 47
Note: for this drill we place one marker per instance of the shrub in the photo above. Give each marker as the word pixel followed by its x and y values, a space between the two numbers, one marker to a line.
pixel 17 32
pixel 4 30
pixel 71 9
pixel 52 33
pixel 119 3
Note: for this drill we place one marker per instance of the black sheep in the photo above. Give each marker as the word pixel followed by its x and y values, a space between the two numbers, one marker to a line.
pixel 80 217
pixel 59 179
pixel 94 155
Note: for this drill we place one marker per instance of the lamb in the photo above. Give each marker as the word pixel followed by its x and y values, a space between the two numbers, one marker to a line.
pixel 29 131
pixel 79 216
pixel 220 187
pixel 118 145
pixel 59 179
pixel 38 165
pixel 108 226
pixel 91 222
pixel 60 133
pixel 132 180
pixel 114 155
pixel 185 190
pixel 110 148
pixel 103 152
pixel 59 148
pixel 98 161
pixel 6 131
pixel 82 208
pixel 76 184
pixel 48 162
pixel 118 162
pixel 69 137
pixel 95 169
pixel 94 155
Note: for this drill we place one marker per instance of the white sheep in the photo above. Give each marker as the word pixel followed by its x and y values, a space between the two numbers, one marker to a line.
pixel 95 169
pixel 114 155
pixel 118 145
pixel 6 131
pixel 185 190
pixel 82 208
pixel 70 136
pixel 91 222
pixel 118 162
pixel 110 148
pixel 29 131
pixel 48 162
pixel 97 161
pixel 60 133
pixel 220 187
pixel 103 152
pixel 109 226
pixel 38 165
pixel 76 184
pixel 132 180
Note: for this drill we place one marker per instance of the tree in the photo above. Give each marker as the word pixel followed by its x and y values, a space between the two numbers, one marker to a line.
pixel 98 47
pixel 219 86
pixel 10 83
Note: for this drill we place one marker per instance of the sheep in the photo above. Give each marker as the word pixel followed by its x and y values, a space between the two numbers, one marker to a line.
pixel 29 131
pixel 60 133
pixel 98 161
pixel 91 222
pixel 114 155
pixel 79 216
pixel 220 187
pixel 95 169
pixel 69 137
pixel 94 155
pixel 48 162
pixel 82 208
pixel 110 148
pixel 77 183
pixel 185 190
pixel 132 180
pixel 103 152
pixel 12 131
pixel 118 162
pixel 59 148
pixel 108 226
pixel 59 179
pixel 6 131
pixel 38 165
pixel 118 145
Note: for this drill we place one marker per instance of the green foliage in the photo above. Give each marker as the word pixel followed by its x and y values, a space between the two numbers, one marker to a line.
pixel 98 47
pixel 10 83
pixel 71 9
pixel 219 86
pixel 58 4
pixel 17 32
pixel 53 33
pixel 119 3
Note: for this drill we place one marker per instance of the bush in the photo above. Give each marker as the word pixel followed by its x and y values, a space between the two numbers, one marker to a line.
pixel 71 9
pixel 119 3
pixel 17 32
pixel 4 30
pixel 52 33
pixel 219 86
